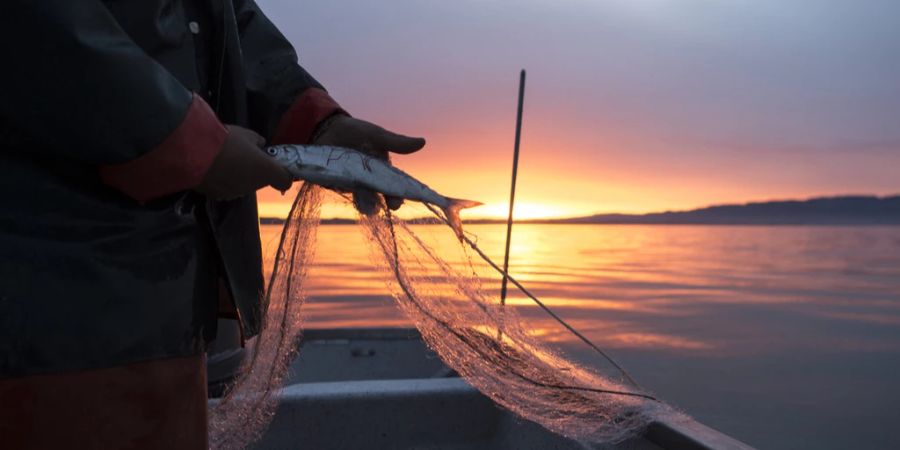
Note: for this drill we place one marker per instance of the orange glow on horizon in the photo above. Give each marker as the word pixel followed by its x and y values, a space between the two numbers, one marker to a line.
pixel 560 175
pixel 521 211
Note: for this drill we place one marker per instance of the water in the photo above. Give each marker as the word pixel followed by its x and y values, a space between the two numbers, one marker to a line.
pixel 783 337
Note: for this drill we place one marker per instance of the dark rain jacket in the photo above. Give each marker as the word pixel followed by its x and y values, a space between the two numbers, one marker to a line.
pixel 91 273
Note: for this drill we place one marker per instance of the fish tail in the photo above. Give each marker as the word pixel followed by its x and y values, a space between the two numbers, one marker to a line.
pixel 452 213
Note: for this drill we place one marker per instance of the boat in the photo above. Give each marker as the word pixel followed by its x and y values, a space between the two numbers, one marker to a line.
pixel 382 388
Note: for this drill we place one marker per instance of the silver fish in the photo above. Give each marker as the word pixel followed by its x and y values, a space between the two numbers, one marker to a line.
pixel 344 169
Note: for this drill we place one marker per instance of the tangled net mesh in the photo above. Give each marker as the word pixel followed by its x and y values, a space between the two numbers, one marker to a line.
pixel 242 415
pixel 483 341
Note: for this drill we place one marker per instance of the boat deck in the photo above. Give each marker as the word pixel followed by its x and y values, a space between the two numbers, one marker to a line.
pixel 383 389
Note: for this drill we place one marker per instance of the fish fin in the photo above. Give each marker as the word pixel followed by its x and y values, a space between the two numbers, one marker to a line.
pixel 452 213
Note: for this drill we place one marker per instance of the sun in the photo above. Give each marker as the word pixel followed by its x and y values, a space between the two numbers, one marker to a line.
pixel 522 211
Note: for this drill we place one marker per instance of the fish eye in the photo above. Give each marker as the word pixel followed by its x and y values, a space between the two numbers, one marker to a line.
pixel 272 151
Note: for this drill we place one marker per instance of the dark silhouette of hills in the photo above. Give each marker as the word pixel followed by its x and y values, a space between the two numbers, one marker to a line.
pixel 846 210
pixel 843 210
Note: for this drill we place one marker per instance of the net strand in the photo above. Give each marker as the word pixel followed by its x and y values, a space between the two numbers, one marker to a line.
pixel 471 345
pixel 240 417
pixel 474 246
pixel 455 318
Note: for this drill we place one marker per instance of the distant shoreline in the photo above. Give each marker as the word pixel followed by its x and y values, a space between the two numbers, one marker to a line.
pixel 822 211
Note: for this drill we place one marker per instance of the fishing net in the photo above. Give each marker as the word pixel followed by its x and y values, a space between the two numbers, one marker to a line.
pixel 486 343
pixel 240 417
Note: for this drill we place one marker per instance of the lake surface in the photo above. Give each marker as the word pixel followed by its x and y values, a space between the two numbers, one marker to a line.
pixel 783 337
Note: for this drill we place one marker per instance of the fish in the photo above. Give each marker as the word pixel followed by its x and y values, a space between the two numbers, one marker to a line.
pixel 346 170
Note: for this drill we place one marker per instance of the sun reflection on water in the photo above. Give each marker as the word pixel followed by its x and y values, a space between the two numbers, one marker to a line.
pixel 662 285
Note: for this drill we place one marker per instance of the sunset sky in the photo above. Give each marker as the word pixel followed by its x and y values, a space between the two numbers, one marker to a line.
pixel 631 105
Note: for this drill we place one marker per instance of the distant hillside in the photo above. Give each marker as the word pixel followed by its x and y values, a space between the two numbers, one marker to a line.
pixel 845 210
pixel 848 210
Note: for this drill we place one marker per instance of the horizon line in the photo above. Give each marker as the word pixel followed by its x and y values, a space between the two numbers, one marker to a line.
pixel 634 215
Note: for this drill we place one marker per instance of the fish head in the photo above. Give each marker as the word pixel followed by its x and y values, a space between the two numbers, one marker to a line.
pixel 286 155
pixel 303 162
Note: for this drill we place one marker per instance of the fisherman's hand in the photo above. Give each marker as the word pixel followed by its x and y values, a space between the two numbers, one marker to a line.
pixel 242 167
pixel 345 131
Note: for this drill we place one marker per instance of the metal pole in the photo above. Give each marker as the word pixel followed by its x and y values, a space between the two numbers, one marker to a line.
pixel 512 189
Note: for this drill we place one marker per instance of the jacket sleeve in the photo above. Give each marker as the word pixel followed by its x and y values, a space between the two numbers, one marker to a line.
pixel 81 88
pixel 285 102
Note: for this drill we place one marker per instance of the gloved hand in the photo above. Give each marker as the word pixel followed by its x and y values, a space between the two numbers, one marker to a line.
pixel 242 167
pixel 345 131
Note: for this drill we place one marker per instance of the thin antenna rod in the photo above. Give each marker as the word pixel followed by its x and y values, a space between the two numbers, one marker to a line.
pixel 512 189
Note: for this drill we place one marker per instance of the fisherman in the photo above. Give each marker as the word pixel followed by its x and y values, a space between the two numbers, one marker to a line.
pixel 130 135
